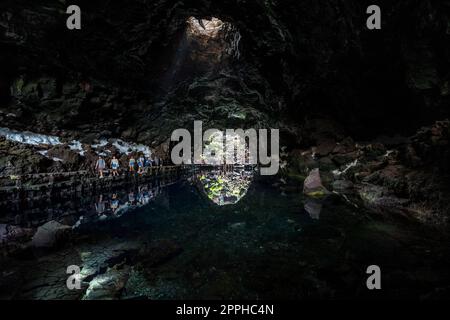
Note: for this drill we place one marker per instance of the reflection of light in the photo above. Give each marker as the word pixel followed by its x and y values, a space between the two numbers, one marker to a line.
pixel 209 28
pixel 225 188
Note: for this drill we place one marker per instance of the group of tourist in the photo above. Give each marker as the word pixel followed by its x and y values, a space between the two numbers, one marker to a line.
pixel 142 163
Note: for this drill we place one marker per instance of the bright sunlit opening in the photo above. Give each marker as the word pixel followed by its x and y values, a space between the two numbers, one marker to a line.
pixel 205 27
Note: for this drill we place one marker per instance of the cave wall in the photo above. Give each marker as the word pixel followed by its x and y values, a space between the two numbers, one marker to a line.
pixel 300 61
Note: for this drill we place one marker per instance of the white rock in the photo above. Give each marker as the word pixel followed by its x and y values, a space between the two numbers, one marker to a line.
pixel 313 183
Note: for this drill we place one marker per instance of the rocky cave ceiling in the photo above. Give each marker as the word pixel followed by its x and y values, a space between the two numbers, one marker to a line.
pixel 296 64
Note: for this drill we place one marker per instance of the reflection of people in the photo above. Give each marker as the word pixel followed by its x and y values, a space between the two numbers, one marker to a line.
pixel 100 166
pixel 100 205
pixel 147 162
pixel 131 198
pixel 141 199
pixel 146 198
pixel 114 202
pixel 114 166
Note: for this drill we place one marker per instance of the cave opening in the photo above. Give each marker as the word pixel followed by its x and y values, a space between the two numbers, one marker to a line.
pixel 204 45
pixel 203 27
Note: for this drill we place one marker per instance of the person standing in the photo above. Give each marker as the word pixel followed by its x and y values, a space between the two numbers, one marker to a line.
pixel 114 166
pixel 131 164
pixel 100 166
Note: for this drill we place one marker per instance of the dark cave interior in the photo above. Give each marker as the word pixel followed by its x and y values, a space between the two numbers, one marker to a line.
pixel 369 106
pixel 305 59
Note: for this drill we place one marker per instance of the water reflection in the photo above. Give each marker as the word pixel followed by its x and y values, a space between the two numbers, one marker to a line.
pixel 116 204
pixel 224 187
pixel 313 207
pixel 77 209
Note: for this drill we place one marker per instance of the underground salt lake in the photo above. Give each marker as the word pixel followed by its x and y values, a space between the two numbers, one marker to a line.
pixel 176 240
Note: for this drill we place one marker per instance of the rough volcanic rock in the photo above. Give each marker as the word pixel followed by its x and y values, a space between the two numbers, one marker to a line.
pixel 50 234
pixel 19 159
pixel 342 186
pixel 11 233
pixel 381 199
pixel 144 72
pixel 283 65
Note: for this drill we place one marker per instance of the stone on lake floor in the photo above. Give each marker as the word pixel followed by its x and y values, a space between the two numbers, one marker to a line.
pixel 49 234
pixel 109 285
pixel 238 225
pixel 10 233
pixel 104 256
pixel 313 186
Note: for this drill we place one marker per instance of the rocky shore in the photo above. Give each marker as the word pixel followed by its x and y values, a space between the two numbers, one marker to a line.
pixel 402 176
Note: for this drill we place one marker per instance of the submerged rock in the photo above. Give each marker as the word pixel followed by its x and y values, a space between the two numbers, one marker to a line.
pixel 238 225
pixel 10 233
pixel 109 285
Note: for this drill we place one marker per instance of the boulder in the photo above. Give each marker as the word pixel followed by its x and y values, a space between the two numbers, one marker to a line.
pixel 10 233
pixel 50 234
pixel 313 186
pixel 325 148
pixel 345 146
pixel 62 152
pixel 342 186
pixel 381 199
